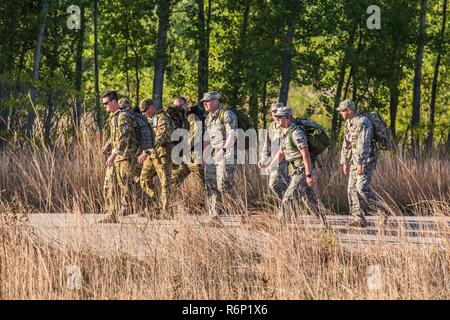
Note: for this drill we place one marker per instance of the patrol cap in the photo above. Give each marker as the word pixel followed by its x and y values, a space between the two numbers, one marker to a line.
pixel 283 111
pixel 346 104
pixel 124 103
pixel 147 103
pixel 276 105
pixel 211 95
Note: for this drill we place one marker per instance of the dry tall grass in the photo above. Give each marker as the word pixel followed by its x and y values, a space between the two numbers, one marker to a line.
pixel 293 264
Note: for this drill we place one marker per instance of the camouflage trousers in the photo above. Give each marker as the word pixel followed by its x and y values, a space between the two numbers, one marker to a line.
pixel 219 183
pixel 183 170
pixel 121 183
pixel 361 196
pixel 279 179
pixel 161 167
pixel 299 194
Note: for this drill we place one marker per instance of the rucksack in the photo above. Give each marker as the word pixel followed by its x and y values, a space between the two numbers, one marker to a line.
pixel 196 110
pixel 144 132
pixel 382 136
pixel 244 122
pixel 318 139
pixel 177 116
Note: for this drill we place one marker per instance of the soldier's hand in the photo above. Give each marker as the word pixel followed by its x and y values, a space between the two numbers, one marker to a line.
pixel 218 156
pixel 360 169
pixel 106 148
pixel 310 181
pixel 110 160
pixel 142 157
pixel 345 168
pixel 261 164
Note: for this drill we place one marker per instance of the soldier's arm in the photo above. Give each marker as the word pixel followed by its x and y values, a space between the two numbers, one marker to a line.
pixel 265 152
pixel 300 140
pixel 345 150
pixel 194 128
pixel 364 142
pixel 126 130
pixel 231 124
pixel 163 130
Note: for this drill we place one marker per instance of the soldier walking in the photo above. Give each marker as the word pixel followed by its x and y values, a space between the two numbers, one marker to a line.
pixel 194 125
pixel 122 171
pixel 294 149
pixel 156 161
pixel 278 177
pixel 221 137
pixel 358 158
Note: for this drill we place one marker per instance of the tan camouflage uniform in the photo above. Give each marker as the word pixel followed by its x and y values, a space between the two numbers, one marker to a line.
pixel 298 187
pixel 123 175
pixel 278 178
pixel 219 176
pixel 158 162
pixel 358 149
pixel 182 171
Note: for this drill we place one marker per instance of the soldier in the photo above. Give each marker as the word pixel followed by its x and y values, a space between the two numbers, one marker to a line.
pixel 157 161
pixel 194 125
pixel 221 136
pixel 278 177
pixel 122 170
pixel 294 149
pixel 359 157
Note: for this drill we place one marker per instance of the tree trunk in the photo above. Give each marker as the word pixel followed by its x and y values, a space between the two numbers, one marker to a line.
pixel 337 97
pixel 264 104
pixel 79 69
pixel 202 76
pixel 163 12
pixel 415 119
pixel 98 117
pixel 393 106
pixel 287 59
pixel 37 60
pixel 434 86
pixel 138 80
pixel 238 63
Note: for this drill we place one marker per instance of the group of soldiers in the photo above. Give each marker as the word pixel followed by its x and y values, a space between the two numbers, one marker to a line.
pixel 285 155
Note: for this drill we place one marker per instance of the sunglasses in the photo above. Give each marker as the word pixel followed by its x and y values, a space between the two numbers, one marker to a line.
pixel 106 103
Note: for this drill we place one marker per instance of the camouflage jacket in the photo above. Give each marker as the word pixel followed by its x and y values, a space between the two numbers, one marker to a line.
pixel 217 130
pixel 195 136
pixel 163 127
pixel 271 142
pixel 291 144
pixel 357 147
pixel 123 138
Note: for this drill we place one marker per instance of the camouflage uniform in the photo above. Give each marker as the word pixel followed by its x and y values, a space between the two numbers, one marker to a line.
pixel 291 144
pixel 278 178
pixel 124 173
pixel 182 171
pixel 219 176
pixel 158 161
pixel 358 149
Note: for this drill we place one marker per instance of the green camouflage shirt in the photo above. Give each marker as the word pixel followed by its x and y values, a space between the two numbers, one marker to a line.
pixel 163 127
pixel 291 144
pixel 123 136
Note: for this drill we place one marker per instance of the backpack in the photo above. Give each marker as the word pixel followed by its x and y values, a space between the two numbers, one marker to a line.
pixel 318 139
pixel 144 132
pixel 382 136
pixel 196 110
pixel 244 122
pixel 177 116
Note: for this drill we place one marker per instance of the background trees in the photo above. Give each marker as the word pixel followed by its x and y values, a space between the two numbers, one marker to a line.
pixel 310 54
